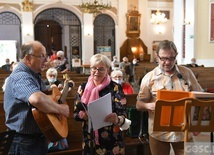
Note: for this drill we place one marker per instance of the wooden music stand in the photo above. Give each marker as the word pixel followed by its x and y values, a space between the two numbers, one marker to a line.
pixel 183 116
pixel 198 117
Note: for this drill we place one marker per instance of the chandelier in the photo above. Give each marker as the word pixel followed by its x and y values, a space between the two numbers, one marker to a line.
pixel 94 6
pixel 158 18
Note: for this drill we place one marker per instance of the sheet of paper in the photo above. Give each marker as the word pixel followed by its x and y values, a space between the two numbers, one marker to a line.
pixel 98 110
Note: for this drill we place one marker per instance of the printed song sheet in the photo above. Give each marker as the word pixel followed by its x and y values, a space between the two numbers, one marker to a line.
pixel 98 110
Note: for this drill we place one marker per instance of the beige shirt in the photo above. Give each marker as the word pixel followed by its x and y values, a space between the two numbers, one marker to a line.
pixel 157 80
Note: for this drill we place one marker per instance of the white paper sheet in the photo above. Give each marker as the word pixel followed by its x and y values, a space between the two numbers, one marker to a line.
pixel 98 110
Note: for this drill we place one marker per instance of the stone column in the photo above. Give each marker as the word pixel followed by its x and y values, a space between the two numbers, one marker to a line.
pixel 87 38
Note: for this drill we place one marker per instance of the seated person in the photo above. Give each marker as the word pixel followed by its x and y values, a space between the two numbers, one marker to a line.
pixel 53 55
pixel 193 63
pixel 63 62
pixel 51 75
pixel 117 76
pixel 6 66
pixel 115 63
pixel 51 81
pixel 125 67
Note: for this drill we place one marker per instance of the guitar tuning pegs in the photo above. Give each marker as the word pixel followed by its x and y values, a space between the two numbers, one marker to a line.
pixel 66 76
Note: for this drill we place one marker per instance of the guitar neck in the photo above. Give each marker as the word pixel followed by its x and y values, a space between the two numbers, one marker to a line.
pixel 64 93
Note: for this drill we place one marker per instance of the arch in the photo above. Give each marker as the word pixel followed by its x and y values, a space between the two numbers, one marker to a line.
pixel 62 16
pixel 8 8
pixel 10 26
pixel 112 15
pixel 104 33
pixel 9 18
pixel 68 34
pixel 49 32
pixel 59 5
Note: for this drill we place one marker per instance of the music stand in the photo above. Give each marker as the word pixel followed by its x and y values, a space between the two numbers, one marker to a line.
pixel 169 115
pixel 190 119
pixel 197 120
pixel 6 139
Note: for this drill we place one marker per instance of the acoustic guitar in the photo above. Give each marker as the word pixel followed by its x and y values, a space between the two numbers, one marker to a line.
pixel 53 126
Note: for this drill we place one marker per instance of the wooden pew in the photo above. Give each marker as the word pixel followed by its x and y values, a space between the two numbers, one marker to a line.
pixel 134 145
pixel 204 75
pixel 74 134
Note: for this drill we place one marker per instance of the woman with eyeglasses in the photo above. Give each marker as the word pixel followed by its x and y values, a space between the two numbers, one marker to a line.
pixel 166 76
pixel 107 140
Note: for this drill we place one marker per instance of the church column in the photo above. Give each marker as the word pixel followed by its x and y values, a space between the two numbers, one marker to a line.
pixel 27 22
pixel 87 38
pixel 66 42
pixel 121 29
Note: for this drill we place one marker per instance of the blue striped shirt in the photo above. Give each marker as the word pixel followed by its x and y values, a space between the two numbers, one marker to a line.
pixel 22 83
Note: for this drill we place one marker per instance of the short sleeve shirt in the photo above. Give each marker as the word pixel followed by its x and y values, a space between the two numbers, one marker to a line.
pixel 156 80
pixel 22 83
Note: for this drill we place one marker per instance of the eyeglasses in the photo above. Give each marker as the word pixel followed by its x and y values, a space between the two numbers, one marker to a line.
pixel 167 59
pixel 39 56
pixel 101 70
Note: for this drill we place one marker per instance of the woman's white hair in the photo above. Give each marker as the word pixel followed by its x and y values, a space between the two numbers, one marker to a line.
pixel 97 58
pixel 59 53
pixel 51 71
pixel 116 72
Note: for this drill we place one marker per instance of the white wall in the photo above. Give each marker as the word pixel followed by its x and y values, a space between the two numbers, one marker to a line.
pixel 204 50
pixel 167 27
pixel 197 34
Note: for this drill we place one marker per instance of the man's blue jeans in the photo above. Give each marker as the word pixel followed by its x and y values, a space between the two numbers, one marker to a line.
pixel 24 144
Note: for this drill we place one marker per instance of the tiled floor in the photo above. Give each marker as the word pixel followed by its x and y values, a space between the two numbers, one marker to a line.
pixel 202 137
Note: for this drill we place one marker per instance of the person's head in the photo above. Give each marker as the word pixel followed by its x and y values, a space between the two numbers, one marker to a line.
pixel 125 59
pixel 166 55
pixel 33 54
pixel 193 61
pixel 51 75
pixel 117 76
pixel 99 67
pixel 7 61
pixel 60 55
pixel 134 61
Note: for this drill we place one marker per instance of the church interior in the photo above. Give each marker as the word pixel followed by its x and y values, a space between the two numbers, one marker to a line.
pixel 122 28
